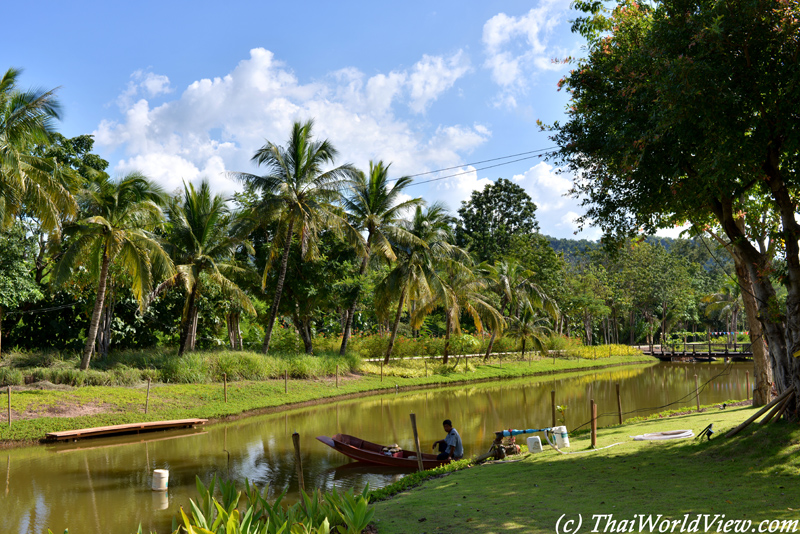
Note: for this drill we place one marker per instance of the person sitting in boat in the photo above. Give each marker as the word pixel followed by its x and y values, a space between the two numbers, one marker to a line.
pixel 450 446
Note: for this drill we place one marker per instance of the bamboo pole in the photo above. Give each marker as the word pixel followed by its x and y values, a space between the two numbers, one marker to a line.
pixel 619 405
pixel 416 441
pixel 761 412
pixel 778 408
pixel 298 460
pixel 594 424
pixel 784 408
pixel 147 398
pixel 553 405
pixel 225 385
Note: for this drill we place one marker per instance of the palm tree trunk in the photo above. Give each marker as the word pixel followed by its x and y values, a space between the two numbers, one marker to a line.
pixel 94 324
pixel 448 326
pixel 352 311
pixel 523 348
pixel 273 312
pixel 395 326
pixel 189 324
pixel 491 344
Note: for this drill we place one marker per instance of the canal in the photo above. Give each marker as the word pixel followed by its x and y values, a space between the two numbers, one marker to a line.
pixel 103 485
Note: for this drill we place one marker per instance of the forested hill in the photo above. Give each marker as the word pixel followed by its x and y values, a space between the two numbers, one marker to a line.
pixel 705 252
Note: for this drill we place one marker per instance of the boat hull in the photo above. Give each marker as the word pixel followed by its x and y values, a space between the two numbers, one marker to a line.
pixel 372 453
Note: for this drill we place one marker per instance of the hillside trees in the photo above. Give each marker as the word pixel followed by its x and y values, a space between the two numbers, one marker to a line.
pixel 648 151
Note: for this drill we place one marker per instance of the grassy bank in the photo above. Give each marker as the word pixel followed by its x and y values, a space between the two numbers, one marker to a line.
pixel 38 411
pixel 750 477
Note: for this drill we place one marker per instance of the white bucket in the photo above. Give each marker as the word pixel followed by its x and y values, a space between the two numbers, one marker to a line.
pixel 534 444
pixel 562 438
pixel 160 479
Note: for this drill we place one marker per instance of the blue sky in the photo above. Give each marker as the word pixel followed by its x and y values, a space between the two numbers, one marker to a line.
pixel 188 90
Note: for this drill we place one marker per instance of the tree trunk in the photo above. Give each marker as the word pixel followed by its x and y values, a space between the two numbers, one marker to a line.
pixel 395 326
pixel 273 311
pixel 302 325
pixel 523 348
pixel 1 330
pixel 352 311
pixel 104 332
pixel 491 344
pixel 448 321
pixel 94 324
pixel 633 327
pixel 186 343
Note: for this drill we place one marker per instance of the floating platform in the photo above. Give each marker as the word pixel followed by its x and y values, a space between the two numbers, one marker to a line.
pixel 129 428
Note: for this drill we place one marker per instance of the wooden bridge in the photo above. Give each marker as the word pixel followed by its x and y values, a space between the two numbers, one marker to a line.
pixel 706 352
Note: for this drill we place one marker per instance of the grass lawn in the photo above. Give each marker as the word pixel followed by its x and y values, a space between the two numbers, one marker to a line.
pixel 38 411
pixel 753 476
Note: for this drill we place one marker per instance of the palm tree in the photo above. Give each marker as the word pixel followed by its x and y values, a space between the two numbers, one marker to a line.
pixel 26 180
pixel 202 242
pixel 727 303
pixel 301 196
pixel 118 219
pixel 514 285
pixel 458 288
pixel 375 208
pixel 529 326
pixel 417 261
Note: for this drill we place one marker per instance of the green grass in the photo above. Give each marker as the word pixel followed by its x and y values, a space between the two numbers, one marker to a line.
pixel 750 477
pixel 206 400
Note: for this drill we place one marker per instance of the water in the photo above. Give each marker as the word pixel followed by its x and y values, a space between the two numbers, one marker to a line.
pixel 103 485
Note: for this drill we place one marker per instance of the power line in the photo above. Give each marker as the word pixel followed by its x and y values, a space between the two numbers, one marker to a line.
pixel 528 155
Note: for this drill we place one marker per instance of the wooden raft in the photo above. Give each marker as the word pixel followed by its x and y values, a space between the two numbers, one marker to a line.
pixel 126 428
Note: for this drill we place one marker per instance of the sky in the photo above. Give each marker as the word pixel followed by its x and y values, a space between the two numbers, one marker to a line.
pixel 185 91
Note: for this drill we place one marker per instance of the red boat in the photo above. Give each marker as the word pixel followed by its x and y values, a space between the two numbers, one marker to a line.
pixel 365 451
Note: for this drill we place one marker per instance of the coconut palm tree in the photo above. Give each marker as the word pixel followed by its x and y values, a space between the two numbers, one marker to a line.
pixel 530 326
pixel 201 241
pixel 27 119
pixel 376 208
pixel 117 222
pixel 514 285
pixel 459 288
pixel 302 197
pixel 415 276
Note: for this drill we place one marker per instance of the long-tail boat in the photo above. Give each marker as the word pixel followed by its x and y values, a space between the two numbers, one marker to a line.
pixel 366 451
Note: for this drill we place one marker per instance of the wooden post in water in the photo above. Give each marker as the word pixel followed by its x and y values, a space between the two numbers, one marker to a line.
pixel 594 423
pixel 697 392
pixel 553 405
pixel 147 398
pixel 416 441
pixel 619 405
pixel 298 460
pixel 286 381
pixel 225 385
pixel 747 378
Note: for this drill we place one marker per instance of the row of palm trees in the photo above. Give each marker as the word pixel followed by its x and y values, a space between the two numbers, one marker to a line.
pixel 130 227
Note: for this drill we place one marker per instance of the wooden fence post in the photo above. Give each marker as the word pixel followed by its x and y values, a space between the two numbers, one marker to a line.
pixel 381 371
pixel 9 406
pixel 697 393
pixel 147 398
pixel 337 375
pixel 286 381
pixel 416 441
pixel 225 385
pixel 594 424
pixel 298 460
pixel 619 405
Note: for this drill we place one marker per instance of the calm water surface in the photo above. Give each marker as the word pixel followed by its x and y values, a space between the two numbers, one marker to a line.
pixel 103 485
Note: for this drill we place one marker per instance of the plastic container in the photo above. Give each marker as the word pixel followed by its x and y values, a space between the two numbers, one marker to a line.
pixel 562 438
pixel 534 444
pixel 160 479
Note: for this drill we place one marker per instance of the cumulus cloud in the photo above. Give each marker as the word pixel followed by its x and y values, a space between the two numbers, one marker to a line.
pixel 215 125
pixel 517 46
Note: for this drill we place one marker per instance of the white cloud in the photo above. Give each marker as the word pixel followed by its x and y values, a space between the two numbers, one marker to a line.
pixel 516 46
pixel 143 83
pixel 433 75
pixel 217 124
pixel 456 189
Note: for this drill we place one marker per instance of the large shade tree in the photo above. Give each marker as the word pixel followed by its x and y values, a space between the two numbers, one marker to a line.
pixel 376 208
pixel 302 194
pixel 28 180
pixel 686 110
pixel 117 224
